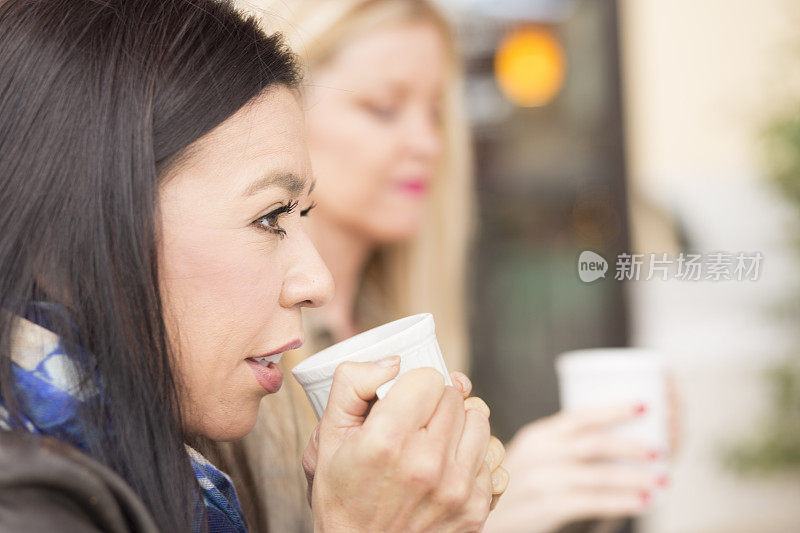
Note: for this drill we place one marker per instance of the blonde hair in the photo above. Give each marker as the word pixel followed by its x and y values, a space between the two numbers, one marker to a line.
pixel 426 273
pixel 423 274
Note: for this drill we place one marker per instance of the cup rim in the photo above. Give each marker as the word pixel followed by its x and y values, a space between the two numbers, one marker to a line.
pixel 608 359
pixel 320 366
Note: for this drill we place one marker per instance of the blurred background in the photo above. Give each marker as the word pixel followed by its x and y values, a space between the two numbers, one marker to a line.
pixel 645 126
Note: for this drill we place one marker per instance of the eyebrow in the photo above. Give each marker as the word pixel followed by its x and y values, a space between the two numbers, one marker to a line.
pixel 290 181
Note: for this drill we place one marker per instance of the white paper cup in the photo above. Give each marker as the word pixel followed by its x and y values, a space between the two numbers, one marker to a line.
pixel 412 338
pixel 619 376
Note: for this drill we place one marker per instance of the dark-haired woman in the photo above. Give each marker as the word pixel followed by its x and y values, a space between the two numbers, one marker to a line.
pixel 153 267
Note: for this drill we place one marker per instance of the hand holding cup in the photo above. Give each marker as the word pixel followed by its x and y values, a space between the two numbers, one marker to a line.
pixel 417 461
pixel 493 459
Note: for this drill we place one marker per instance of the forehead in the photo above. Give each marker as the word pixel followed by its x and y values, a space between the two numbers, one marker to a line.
pixel 265 136
pixel 417 49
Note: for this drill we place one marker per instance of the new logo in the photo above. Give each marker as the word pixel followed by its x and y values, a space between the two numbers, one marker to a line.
pixel 591 266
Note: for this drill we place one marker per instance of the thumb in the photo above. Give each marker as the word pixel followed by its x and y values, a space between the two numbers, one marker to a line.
pixel 354 387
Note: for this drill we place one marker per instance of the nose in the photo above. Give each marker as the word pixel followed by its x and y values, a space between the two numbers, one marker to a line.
pixel 424 135
pixel 308 282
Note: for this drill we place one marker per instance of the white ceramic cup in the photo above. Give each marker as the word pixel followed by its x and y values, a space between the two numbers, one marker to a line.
pixel 619 376
pixel 412 338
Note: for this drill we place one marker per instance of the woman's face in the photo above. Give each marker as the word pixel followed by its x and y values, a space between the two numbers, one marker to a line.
pixel 373 130
pixel 236 267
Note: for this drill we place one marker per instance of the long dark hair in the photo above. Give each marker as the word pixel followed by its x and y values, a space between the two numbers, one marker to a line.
pixel 98 98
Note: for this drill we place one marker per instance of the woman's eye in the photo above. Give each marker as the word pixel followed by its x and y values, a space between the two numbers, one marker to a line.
pixel 382 111
pixel 269 222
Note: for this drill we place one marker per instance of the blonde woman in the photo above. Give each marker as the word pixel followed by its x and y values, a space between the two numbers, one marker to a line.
pixel 394 212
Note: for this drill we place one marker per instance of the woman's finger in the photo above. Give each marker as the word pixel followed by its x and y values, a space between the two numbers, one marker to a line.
pixel 462 382
pixel 602 445
pixel 354 386
pixel 474 443
pixel 495 454
pixel 481 499
pixel 596 417
pixel 309 461
pixel 476 403
pixel 409 404
pixel 500 479
pixel 551 511
pixel 483 482
pixel 607 478
pixel 586 478
pixel 495 499
pixel 447 422
pixel 586 505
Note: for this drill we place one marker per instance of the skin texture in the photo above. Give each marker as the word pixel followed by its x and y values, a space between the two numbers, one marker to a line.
pixel 430 447
pixel 494 455
pixel 231 289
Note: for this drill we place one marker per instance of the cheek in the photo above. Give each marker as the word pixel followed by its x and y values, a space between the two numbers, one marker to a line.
pixel 353 157
pixel 214 283
pixel 219 295
pixel 355 163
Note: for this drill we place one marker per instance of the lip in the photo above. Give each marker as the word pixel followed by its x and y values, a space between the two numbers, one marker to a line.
pixel 293 345
pixel 413 186
pixel 270 377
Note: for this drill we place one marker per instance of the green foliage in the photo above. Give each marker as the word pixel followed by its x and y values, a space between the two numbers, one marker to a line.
pixel 783 156
pixel 777 446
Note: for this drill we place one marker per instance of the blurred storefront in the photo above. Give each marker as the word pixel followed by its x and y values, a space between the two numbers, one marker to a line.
pixel 551 182
pixel 642 133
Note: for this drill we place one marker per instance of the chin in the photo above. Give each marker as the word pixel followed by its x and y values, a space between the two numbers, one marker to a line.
pixel 396 232
pixel 230 430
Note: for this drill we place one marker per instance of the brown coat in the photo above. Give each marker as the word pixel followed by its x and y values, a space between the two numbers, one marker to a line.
pixel 47 485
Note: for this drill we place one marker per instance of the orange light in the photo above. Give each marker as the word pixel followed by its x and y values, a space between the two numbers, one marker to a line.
pixel 530 66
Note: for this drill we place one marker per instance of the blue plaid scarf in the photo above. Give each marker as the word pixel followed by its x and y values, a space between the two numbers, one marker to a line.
pixel 49 396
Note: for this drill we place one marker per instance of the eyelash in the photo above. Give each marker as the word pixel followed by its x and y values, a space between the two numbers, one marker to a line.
pixel 282 210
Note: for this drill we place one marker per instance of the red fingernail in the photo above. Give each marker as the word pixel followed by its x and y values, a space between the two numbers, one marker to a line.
pixel 640 408
pixel 663 481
